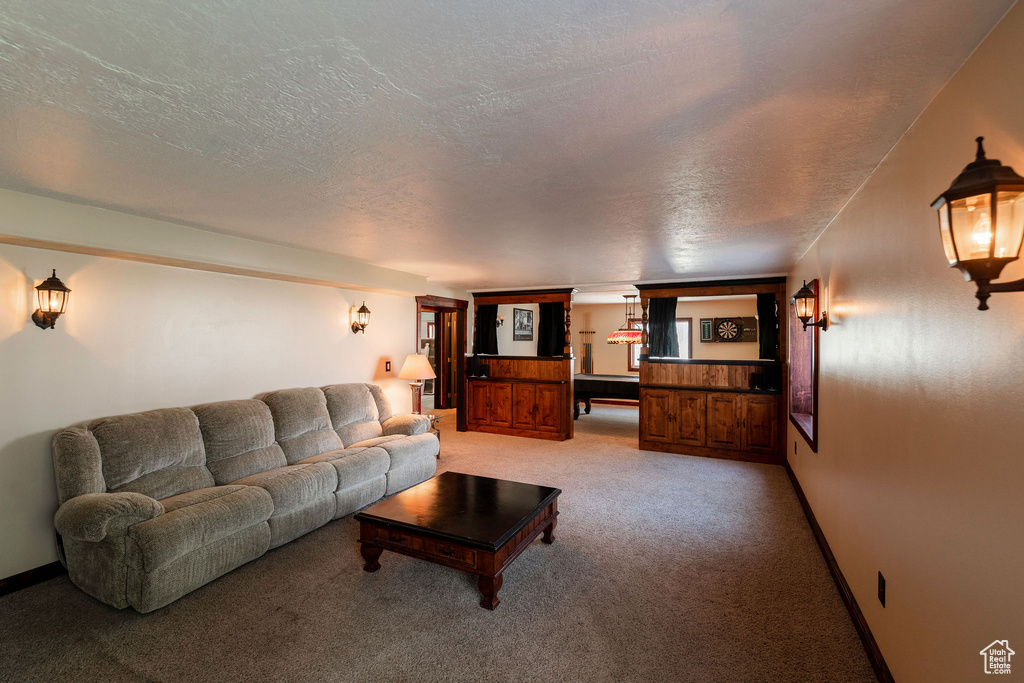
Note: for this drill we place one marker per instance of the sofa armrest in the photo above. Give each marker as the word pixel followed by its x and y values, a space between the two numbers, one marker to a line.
pixel 406 425
pixel 94 516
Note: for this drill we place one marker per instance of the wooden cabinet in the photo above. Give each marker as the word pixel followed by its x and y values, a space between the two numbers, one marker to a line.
pixel 673 416
pixel 760 424
pixel 490 403
pixel 519 408
pixel 724 424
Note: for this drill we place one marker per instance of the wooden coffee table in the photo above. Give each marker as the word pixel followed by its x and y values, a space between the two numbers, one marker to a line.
pixel 475 524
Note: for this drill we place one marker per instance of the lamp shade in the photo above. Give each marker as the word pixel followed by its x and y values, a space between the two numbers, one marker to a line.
pixel 416 366
pixel 625 337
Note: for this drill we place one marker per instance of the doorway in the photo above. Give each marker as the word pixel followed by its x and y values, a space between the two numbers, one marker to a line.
pixel 441 337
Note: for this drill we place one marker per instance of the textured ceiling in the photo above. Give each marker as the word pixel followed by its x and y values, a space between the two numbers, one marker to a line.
pixel 484 144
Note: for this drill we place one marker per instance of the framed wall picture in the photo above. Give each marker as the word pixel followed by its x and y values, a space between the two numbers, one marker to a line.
pixel 522 324
pixel 707 327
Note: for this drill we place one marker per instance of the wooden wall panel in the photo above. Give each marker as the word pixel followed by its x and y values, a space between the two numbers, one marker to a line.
pixel 559 370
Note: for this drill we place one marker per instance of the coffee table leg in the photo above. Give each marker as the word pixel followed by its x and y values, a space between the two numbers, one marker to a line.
pixel 370 553
pixel 549 532
pixel 489 587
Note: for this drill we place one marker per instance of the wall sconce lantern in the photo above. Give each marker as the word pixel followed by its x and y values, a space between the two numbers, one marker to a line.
pixel 981 220
pixel 500 321
pixel 52 295
pixel 362 319
pixel 806 301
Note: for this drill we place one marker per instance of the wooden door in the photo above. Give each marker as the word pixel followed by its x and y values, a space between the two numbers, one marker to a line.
pixel 524 403
pixel 655 415
pixel 551 412
pixel 478 400
pixel 724 421
pixel 501 404
pixel 760 423
pixel 690 412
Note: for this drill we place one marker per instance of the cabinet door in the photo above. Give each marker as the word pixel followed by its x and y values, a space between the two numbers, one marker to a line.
pixel 551 412
pixel 723 421
pixel 501 404
pixel 760 423
pixel 655 415
pixel 524 400
pixel 690 414
pixel 478 410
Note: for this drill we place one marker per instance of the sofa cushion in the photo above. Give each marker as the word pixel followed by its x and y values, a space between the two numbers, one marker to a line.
pixel 356 465
pixel 405 450
pixel 206 520
pixel 377 441
pixel 353 412
pixel 239 438
pixel 157 453
pixel 199 496
pixel 302 423
pixel 295 486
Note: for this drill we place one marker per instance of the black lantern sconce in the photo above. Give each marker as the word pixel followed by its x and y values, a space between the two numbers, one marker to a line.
pixel 981 220
pixel 806 301
pixel 362 319
pixel 499 321
pixel 52 295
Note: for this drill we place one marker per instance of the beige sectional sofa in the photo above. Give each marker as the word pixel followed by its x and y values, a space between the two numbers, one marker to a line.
pixel 154 505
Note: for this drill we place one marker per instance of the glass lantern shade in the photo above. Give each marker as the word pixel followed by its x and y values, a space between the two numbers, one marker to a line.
pixel 981 218
pixel 363 315
pixel 805 301
pixel 52 295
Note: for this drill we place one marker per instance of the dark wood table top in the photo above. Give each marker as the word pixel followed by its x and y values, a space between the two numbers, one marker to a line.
pixel 475 511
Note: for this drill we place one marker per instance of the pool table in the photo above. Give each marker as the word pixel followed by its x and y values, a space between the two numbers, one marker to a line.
pixel 586 387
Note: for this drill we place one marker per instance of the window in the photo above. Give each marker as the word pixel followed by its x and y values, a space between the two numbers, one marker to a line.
pixel 803 375
pixel 683 332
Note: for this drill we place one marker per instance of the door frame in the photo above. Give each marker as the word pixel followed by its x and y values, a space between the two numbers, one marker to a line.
pixel 459 308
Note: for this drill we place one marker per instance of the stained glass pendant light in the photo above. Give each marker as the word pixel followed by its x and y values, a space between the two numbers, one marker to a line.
pixel 625 335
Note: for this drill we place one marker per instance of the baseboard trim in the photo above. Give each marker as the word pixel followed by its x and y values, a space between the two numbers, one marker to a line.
pixel 31 577
pixel 859 622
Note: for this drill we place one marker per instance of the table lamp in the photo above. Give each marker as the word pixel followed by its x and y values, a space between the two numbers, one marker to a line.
pixel 416 367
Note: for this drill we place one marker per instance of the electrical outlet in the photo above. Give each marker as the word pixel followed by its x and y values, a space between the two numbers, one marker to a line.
pixel 881 589
pixel 387 366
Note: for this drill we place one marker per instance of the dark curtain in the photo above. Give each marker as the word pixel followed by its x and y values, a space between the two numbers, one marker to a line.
pixel 767 327
pixel 486 329
pixel 662 339
pixel 551 329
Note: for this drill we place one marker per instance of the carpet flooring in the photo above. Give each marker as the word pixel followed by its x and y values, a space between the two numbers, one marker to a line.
pixel 664 568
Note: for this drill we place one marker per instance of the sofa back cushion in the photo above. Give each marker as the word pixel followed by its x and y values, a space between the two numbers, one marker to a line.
pixel 77 463
pixel 302 423
pixel 239 439
pixel 353 412
pixel 383 404
pixel 157 453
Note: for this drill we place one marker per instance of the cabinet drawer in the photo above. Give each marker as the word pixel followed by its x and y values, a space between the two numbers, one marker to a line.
pixel 450 554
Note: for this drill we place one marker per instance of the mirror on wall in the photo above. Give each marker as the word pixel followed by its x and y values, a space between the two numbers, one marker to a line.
pixel 707 327
pixel 517 329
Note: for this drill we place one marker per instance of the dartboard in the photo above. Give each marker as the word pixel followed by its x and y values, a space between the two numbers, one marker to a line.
pixel 728 330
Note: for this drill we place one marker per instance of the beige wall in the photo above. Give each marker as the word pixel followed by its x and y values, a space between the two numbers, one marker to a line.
pixel 610 359
pixel 139 336
pixel 920 469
